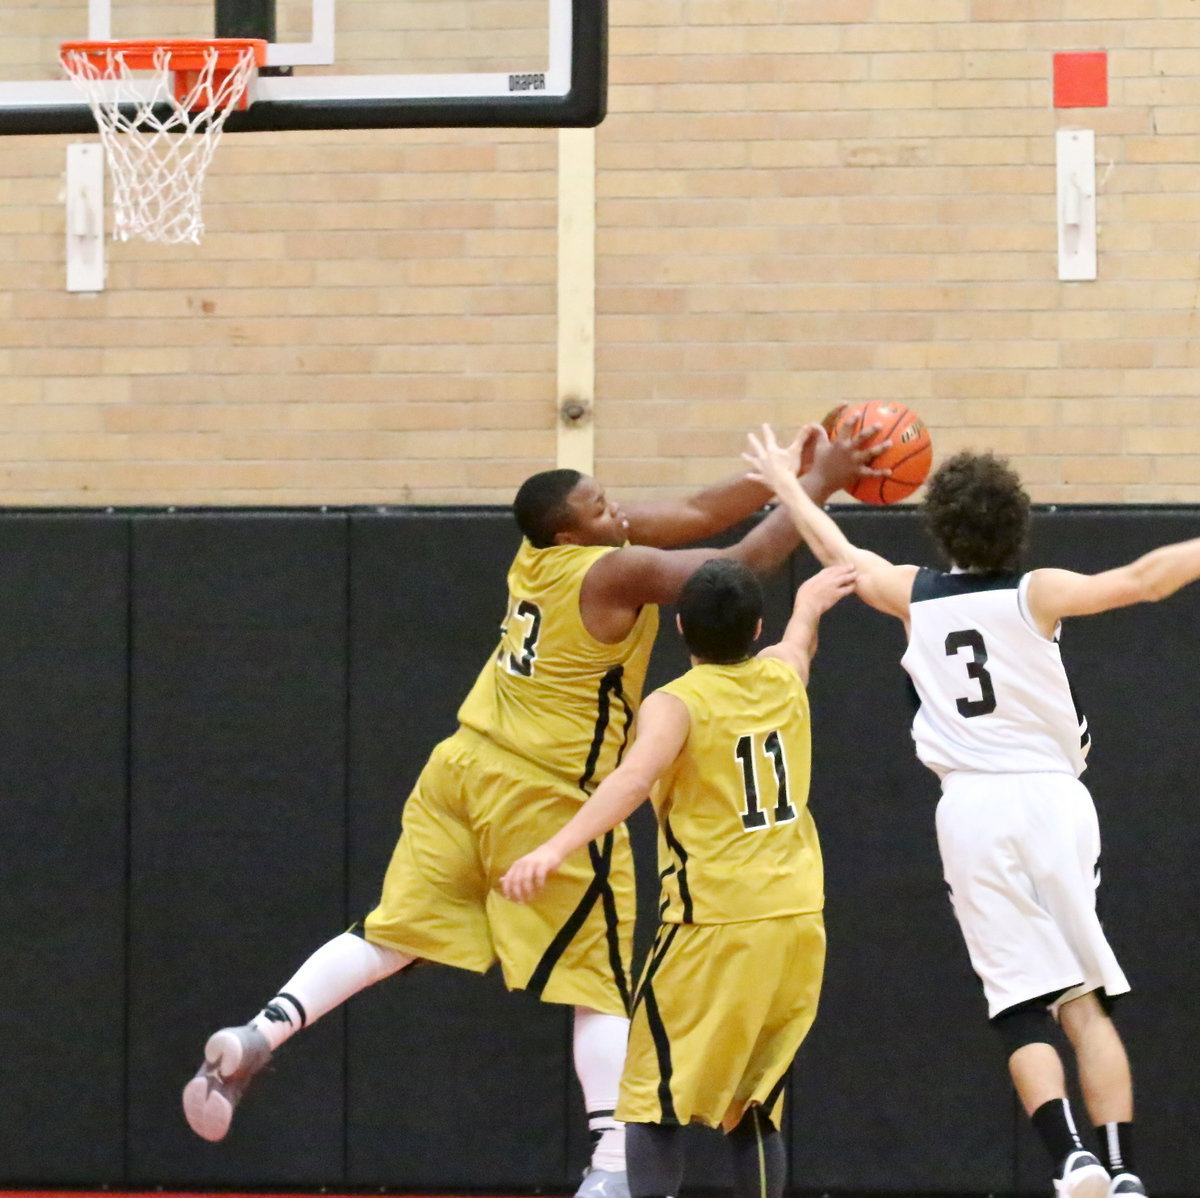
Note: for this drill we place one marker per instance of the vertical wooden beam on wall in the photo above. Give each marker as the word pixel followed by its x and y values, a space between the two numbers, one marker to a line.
pixel 576 298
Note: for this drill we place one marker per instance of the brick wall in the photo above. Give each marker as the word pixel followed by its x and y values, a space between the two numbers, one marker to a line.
pixel 800 202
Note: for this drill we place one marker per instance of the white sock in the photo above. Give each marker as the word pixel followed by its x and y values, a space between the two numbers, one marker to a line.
pixel 600 1042
pixel 338 969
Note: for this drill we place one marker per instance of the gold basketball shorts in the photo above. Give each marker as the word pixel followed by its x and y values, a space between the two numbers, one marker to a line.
pixel 474 810
pixel 720 1012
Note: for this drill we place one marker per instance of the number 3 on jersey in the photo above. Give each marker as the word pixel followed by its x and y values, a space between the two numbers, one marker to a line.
pixel 970 638
pixel 772 747
pixel 530 616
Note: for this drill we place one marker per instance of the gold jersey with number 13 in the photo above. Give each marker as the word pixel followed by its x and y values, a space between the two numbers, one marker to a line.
pixel 552 693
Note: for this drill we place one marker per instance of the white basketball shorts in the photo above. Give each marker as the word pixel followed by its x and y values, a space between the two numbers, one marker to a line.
pixel 1020 853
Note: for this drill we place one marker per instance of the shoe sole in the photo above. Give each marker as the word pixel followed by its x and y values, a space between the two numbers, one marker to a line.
pixel 1092 1181
pixel 208 1112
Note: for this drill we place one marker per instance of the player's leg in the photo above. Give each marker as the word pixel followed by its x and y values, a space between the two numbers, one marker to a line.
pixel 759 1160
pixel 233 1056
pixel 338 970
pixel 988 828
pixel 1026 1031
pixel 571 945
pixel 656 1157
pixel 1068 881
pixel 431 907
pixel 599 1044
pixel 1107 1085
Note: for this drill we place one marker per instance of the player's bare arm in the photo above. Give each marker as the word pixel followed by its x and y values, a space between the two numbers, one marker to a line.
pixel 885 586
pixel 827 467
pixel 814 597
pixel 621 583
pixel 663 725
pixel 1056 594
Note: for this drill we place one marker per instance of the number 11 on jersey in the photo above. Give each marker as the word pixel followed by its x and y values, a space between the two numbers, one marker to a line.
pixel 772 748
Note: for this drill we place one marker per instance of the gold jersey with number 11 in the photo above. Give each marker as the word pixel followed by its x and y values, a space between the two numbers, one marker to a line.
pixel 736 838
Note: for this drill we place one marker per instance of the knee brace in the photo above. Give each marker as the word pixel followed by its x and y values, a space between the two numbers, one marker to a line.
pixel 1026 1023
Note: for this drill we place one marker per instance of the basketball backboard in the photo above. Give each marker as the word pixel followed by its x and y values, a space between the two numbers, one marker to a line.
pixel 336 64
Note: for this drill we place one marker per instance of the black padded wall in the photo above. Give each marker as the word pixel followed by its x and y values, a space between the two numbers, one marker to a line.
pixel 1135 673
pixel 211 721
pixel 63 737
pixel 237 815
pixel 436 1058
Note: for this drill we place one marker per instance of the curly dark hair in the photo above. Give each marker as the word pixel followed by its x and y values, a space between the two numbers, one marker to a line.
pixel 978 512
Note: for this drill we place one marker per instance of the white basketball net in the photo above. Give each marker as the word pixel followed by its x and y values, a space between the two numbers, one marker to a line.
pixel 157 160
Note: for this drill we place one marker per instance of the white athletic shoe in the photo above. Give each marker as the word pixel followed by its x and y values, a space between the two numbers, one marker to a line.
pixel 1083 1176
pixel 1126 1185
pixel 232 1057
pixel 603 1183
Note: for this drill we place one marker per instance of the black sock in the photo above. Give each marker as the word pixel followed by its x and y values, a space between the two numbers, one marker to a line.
pixel 1116 1147
pixel 1056 1126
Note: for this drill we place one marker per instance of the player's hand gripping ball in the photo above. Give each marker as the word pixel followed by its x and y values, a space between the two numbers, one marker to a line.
pixel 908 457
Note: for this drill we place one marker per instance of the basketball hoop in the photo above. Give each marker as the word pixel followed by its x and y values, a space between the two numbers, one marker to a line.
pixel 161 106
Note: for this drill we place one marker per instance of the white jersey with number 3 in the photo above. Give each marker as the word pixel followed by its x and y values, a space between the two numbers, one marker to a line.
pixel 994 696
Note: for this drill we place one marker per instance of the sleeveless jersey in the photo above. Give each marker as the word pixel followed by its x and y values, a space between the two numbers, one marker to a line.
pixel 994 696
pixel 552 693
pixel 736 839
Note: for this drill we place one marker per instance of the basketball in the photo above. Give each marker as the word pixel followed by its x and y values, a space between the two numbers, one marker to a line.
pixel 909 456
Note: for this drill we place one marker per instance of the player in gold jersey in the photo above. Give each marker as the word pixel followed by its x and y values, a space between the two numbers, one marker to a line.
pixel 730 988
pixel 547 720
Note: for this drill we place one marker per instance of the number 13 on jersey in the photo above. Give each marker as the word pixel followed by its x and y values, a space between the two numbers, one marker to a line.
pixel 527 617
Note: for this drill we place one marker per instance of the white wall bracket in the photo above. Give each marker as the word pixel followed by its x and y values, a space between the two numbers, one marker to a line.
pixel 1075 155
pixel 85 217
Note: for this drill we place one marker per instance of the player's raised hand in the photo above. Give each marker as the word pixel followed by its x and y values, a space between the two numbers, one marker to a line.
pixel 771 463
pixel 840 459
pixel 828 586
pixel 527 875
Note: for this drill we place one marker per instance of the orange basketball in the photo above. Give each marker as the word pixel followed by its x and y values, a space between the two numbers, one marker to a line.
pixel 909 456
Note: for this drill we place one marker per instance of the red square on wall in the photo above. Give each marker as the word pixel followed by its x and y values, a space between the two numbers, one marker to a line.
pixel 1081 80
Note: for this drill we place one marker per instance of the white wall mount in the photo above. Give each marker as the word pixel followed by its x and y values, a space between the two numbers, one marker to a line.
pixel 1075 155
pixel 85 217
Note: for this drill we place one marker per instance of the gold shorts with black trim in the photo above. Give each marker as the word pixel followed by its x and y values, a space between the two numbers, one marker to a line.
pixel 474 810
pixel 720 1012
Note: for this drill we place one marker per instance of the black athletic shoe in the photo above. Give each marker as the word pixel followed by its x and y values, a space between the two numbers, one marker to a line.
pixel 1082 1176
pixel 1126 1185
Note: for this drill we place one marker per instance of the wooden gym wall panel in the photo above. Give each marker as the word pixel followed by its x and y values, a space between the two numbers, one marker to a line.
pixel 436 1054
pixel 63 660
pixel 237 842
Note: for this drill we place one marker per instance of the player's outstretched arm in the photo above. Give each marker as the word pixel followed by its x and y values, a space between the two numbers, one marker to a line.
pixel 1055 594
pixel 814 598
pixel 883 585
pixel 637 574
pixel 620 583
pixel 829 467
pixel 663 726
